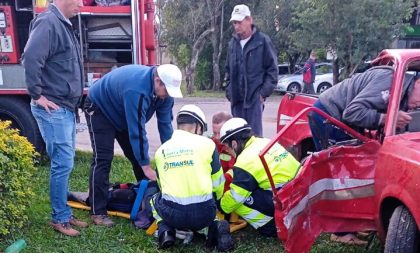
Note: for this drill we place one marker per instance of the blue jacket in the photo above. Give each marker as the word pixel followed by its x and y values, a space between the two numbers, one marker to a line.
pixel 126 97
pixel 52 61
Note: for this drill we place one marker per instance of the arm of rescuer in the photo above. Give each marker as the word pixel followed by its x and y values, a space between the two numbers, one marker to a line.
pixel 36 53
pixel 217 177
pixel 136 105
pixel 164 118
pixel 242 186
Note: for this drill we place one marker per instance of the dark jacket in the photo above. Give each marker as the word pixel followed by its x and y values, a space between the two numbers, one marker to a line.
pixel 360 100
pixel 310 66
pixel 126 97
pixel 52 62
pixel 251 72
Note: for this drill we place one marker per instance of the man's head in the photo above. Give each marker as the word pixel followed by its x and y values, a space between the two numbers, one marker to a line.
pixel 69 8
pixel 312 55
pixel 217 122
pixel 192 119
pixel 235 133
pixel 414 96
pixel 167 81
pixel 242 21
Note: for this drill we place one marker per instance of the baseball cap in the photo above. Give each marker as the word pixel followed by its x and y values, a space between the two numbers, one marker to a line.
pixel 171 76
pixel 240 12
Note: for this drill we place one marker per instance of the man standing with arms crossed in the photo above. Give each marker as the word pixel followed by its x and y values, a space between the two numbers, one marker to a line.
pixel 251 69
pixel 53 73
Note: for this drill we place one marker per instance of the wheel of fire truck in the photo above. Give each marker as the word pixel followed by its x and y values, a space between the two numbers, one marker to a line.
pixel 403 234
pixel 18 111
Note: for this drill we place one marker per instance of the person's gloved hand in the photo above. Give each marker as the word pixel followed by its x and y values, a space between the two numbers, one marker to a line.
pixel 228 179
pixel 149 172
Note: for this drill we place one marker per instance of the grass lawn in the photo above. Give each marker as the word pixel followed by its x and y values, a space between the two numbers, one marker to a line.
pixel 124 237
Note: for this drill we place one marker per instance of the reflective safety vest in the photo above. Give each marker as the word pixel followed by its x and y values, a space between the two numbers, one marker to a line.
pixel 249 174
pixel 184 169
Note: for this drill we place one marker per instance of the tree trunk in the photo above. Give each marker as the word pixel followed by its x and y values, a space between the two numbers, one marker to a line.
pixel 189 72
pixel 336 72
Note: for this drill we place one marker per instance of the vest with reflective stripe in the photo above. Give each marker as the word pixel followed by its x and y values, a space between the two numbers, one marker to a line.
pixel 283 166
pixel 184 167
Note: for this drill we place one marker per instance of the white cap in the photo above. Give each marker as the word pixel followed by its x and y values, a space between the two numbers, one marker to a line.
pixel 232 127
pixel 195 112
pixel 171 76
pixel 240 12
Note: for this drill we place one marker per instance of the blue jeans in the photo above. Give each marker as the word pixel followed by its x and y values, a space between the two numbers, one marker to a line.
pixel 324 134
pixel 58 129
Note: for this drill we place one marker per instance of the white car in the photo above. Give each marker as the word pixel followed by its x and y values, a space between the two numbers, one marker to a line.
pixel 294 82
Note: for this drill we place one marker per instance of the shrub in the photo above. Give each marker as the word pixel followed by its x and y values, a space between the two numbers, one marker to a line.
pixel 17 157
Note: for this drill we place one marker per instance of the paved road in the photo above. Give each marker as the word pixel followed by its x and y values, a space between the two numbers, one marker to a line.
pixel 209 105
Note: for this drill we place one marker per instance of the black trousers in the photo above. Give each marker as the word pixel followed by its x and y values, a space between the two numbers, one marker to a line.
pixel 102 136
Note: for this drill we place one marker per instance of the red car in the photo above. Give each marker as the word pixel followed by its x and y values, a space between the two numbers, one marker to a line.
pixel 369 183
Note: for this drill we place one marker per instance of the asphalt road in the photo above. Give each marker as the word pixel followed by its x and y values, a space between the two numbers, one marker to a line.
pixel 210 106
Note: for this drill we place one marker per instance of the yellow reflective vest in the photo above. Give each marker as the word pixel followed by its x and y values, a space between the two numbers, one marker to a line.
pixel 185 174
pixel 283 167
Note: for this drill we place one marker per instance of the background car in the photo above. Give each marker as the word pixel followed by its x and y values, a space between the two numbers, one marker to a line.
pixel 294 82
pixel 284 69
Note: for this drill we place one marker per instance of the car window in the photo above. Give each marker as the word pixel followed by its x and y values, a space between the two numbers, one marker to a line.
pixel 323 69
pixel 283 70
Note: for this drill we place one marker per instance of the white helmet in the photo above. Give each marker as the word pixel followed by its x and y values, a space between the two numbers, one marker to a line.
pixel 171 76
pixel 232 127
pixel 195 112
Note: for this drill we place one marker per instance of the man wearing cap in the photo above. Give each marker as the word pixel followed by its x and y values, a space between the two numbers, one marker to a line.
pixel 251 69
pixel 190 179
pixel 250 194
pixel 118 107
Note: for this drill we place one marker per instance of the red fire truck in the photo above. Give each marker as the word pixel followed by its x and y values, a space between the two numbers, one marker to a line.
pixel 368 183
pixel 110 36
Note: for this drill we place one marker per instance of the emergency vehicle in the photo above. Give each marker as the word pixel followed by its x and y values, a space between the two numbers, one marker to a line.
pixel 110 36
pixel 368 183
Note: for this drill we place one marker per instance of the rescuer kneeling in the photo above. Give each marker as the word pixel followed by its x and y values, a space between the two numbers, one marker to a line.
pixel 190 179
pixel 250 194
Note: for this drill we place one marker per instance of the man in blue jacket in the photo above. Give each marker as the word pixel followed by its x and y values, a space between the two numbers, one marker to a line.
pixel 118 107
pixel 251 69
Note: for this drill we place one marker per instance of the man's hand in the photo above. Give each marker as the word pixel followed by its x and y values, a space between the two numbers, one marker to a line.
pixel 403 119
pixel 46 104
pixel 262 99
pixel 149 172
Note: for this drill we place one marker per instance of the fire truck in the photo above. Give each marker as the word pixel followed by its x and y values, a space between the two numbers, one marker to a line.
pixel 110 36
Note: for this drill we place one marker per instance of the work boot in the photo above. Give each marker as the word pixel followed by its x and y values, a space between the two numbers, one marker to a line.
pixel 102 220
pixel 219 235
pixel 77 223
pixel 224 238
pixel 65 229
pixel 166 239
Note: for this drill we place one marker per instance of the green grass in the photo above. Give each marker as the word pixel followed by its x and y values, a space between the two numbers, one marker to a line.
pixel 124 237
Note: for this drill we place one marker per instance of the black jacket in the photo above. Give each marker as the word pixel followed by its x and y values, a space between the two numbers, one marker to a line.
pixel 52 62
pixel 251 72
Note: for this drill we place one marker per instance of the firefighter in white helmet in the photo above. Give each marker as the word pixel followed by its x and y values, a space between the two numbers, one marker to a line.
pixel 250 194
pixel 190 180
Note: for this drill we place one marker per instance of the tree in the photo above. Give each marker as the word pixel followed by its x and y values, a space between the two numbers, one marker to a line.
pixel 354 30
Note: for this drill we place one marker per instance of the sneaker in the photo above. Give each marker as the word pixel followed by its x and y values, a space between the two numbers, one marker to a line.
pixel 65 229
pixel 166 239
pixel 102 220
pixel 224 238
pixel 77 223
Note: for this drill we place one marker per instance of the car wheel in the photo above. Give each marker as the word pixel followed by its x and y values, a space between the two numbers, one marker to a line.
pixel 323 87
pixel 403 234
pixel 294 87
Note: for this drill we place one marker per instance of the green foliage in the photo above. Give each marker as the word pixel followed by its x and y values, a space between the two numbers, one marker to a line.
pixel 354 30
pixel 17 158
pixel 183 55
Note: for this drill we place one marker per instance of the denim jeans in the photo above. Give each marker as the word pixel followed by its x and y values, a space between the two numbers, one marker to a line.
pixel 58 129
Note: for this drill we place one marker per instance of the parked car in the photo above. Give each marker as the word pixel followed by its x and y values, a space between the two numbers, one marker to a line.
pixel 294 82
pixel 284 69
